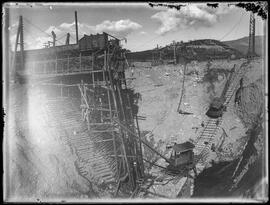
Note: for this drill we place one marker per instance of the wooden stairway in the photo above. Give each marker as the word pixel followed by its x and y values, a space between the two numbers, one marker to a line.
pixel 93 162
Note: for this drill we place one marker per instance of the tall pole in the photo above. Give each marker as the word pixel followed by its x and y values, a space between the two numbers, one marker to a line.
pixel 251 43
pixel 174 52
pixel 76 24
pixel 21 42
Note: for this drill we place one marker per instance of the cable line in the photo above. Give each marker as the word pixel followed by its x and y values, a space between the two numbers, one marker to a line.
pixel 148 41
pixel 36 27
pixel 233 27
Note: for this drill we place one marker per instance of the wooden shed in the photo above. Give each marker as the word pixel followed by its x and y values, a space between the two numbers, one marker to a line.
pixel 93 42
pixel 183 153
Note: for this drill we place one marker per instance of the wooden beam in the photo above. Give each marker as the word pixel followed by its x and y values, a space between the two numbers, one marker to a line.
pixel 152 163
pixel 145 143
pixel 122 156
pixel 76 26
pixel 100 131
pixel 107 140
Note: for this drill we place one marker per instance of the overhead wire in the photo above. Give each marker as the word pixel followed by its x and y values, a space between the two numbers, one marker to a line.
pixel 145 43
pixel 36 27
pixel 29 22
pixel 60 39
pixel 29 33
pixel 232 27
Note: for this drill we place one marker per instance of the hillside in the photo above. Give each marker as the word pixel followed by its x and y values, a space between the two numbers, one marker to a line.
pixel 193 50
pixel 242 44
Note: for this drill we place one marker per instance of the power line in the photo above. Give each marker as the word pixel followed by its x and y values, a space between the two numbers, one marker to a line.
pixel 44 31
pixel 233 27
pixel 37 27
pixel 61 37
pixel 29 33
pixel 148 41
pixel 72 37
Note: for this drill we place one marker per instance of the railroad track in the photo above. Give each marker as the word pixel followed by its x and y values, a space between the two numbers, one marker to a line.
pixel 207 136
pixel 93 162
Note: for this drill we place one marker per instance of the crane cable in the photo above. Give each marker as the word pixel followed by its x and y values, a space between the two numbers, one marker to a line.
pixel 145 43
pixel 36 27
pixel 29 22
pixel 233 27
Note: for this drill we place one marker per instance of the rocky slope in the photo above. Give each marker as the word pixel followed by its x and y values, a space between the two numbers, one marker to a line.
pixel 237 177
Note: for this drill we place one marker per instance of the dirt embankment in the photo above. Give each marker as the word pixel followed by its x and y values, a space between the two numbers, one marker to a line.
pixel 238 178
pixel 40 165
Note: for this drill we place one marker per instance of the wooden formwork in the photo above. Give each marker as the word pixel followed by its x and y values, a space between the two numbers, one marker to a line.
pixel 105 102
pixel 106 105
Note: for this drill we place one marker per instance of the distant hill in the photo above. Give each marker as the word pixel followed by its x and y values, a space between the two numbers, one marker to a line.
pixel 203 49
pixel 242 44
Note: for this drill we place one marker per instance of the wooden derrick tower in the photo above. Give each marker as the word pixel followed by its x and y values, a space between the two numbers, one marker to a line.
pixel 20 42
pixel 251 44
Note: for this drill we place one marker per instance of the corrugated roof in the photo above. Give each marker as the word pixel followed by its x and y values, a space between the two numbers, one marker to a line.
pixel 183 147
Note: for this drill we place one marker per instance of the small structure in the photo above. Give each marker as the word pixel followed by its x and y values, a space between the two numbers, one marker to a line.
pixel 182 154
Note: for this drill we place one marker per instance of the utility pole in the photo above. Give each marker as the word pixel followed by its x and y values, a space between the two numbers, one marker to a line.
pixel 21 42
pixel 76 25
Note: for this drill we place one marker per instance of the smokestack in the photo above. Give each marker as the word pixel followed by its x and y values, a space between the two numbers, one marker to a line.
pixel 76 24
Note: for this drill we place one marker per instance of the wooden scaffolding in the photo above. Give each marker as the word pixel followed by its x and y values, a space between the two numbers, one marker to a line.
pixel 107 108
pixel 106 102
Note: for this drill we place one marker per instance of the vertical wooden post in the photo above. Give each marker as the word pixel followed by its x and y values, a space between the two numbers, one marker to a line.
pixel 68 62
pixel 76 26
pixel 56 64
pixel 140 146
pixel 81 99
pixel 61 89
pixel 21 43
pixel 93 76
pixel 80 61
pixel 174 52
pixel 93 79
pixel 104 66
pixel 93 58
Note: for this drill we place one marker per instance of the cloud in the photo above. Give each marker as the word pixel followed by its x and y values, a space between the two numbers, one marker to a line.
pixel 120 29
pixel 143 33
pixel 190 16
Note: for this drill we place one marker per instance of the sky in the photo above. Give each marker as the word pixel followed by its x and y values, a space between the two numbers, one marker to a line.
pixel 144 27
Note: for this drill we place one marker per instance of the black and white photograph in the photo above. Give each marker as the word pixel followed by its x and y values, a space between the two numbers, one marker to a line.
pixel 135 102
